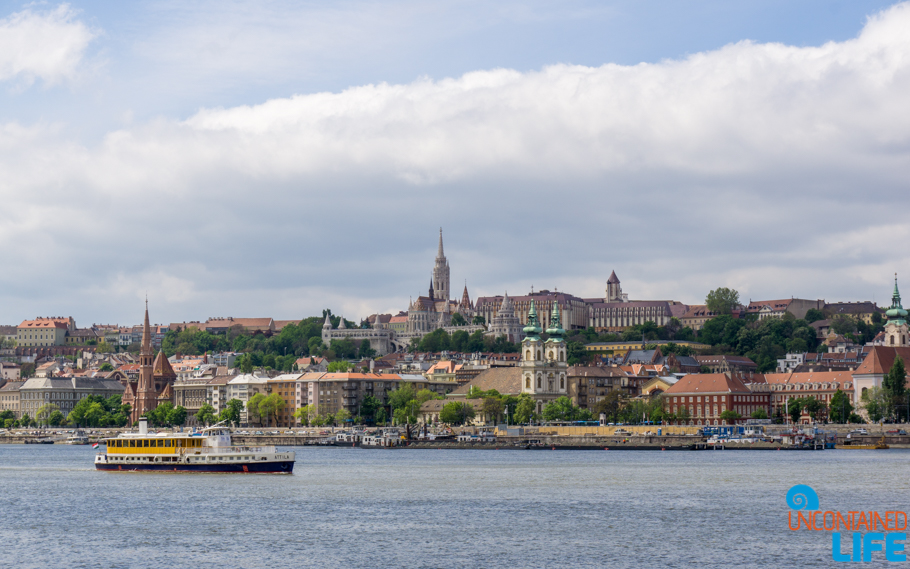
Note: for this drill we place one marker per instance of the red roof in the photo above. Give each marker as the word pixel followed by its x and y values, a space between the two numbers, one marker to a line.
pixel 708 383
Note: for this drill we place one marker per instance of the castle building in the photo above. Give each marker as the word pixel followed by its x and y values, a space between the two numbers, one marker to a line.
pixel 615 312
pixel 440 284
pixel 156 378
pixel 505 323
pixel 543 364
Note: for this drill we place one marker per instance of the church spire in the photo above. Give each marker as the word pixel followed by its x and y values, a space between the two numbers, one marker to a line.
pixel 896 313
pixel 146 332
pixel 440 254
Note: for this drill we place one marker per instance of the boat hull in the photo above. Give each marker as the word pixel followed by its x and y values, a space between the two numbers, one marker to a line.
pixel 277 467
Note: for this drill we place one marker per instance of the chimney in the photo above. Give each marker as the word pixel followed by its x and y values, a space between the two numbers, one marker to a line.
pixel 143 426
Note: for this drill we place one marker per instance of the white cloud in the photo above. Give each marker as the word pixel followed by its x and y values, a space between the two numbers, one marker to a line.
pixel 758 165
pixel 47 45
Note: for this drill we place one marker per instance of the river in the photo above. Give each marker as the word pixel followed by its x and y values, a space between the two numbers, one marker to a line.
pixel 439 508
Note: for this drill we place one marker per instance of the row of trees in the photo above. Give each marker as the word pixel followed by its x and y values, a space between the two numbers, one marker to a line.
pixel 461 341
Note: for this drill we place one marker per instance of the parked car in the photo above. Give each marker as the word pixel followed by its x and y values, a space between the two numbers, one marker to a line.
pixel 897 432
pixel 859 432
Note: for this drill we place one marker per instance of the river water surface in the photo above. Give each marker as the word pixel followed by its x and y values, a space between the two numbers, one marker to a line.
pixel 439 508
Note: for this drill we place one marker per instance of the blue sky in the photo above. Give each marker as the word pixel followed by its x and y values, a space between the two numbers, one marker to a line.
pixel 275 158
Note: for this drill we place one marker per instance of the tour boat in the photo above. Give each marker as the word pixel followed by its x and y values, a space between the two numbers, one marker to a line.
pixel 78 438
pixel 209 450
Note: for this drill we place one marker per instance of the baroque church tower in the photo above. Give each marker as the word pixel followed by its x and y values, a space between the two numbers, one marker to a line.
pixel 897 334
pixel 543 364
pixel 441 288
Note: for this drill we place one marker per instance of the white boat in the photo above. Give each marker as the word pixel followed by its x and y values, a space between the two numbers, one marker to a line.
pixel 210 450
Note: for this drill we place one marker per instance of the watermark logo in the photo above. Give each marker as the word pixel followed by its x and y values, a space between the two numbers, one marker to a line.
pixel 883 532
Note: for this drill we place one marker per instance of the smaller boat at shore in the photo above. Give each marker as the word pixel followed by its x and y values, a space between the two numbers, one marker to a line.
pixel 77 438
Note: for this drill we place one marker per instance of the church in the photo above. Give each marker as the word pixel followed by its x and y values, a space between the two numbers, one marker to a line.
pixel 156 378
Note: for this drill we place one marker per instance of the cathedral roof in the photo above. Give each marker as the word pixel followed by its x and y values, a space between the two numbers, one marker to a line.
pixel 167 393
pixel 613 278
pixel 162 367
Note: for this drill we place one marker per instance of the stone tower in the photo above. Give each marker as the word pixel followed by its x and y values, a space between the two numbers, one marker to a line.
pixel 441 275
pixel 896 330
pixel 531 355
pixel 146 397
pixel 505 323
pixel 614 291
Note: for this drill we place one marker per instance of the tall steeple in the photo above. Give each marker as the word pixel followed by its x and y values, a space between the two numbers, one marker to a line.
pixel 555 330
pixel 896 314
pixel 146 333
pixel 440 282
pixel 146 395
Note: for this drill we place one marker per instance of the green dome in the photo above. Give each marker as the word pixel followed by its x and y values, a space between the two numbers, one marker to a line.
pixel 555 330
pixel 533 329
pixel 896 313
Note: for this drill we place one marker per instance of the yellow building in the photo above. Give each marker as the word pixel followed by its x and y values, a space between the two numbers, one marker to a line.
pixel 43 332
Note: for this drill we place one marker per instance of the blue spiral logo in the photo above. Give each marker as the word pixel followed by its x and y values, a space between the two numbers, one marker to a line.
pixel 802 497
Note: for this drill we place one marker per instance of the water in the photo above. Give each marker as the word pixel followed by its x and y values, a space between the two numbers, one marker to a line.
pixel 439 508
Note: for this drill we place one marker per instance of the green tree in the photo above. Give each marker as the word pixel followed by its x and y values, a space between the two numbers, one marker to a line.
pixel 478 321
pixel 303 414
pixel 456 412
pixel 44 413
pixel 562 409
pixel 813 407
pixel 270 407
pixel 843 324
pixel 400 397
pixel 56 419
pixel 814 315
pixel 894 384
pixel 245 364
pixel 106 367
pixel 381 416
pixel 339 366
pixel 25 420
pixel 342 416
pixel 524 409
pixel 458 320
pixel 760 413
pixel 730 416
pixel 683 415
pixel 492 408
pixel 795 409
pixel 176 416
pixel 875 402
pixel 27 370
pixel 840 407
pixel 252 408
pixel 231 412
pixel 425 395
pixel 369 406
pixel 206 415
pixel 609 406
pixel 722 300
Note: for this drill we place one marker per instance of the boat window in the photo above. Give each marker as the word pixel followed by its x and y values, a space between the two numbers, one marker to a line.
pixel 132 444
pixel 160 443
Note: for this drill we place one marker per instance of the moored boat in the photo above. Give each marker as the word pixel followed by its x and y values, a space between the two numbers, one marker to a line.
pixel 210 450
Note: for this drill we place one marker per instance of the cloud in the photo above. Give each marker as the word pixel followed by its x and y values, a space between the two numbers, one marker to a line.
pixel 47 45
pixel 764 166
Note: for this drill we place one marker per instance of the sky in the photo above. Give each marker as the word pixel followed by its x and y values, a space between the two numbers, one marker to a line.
pixel 276 158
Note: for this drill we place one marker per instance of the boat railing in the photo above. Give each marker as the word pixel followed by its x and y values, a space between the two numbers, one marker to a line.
pixel 230 450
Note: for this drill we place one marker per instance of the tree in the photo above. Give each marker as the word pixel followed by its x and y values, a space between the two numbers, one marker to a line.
pixel 425 395
pixel 303 414
pixel 722 300
pixel 104 347
pixel 27 370
pixel 176 416
pixel 843 324
pixel 895 386
pixel 524 409
pixel 760 413
pixel 456 412
pixel 106 366
pixel 25 420
pixel 369 406
pixel 271 406
pixel 458 320
pixel 875 402
pixel 839 408
pixel 56 419
pixel 342 416
pixel 400 397
pixel 795 409
pixel 44 413
pixel 206 415
pixel 492 408
pixel 381 416
pixel 231 412
pixel 730 416
pixel 252 408
pixel 246 363
pixel 478 321
pixel 609 406
pixel 814 315
pixel 562 409
pixel 339 366
pixel 683 415
pixel 813 407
